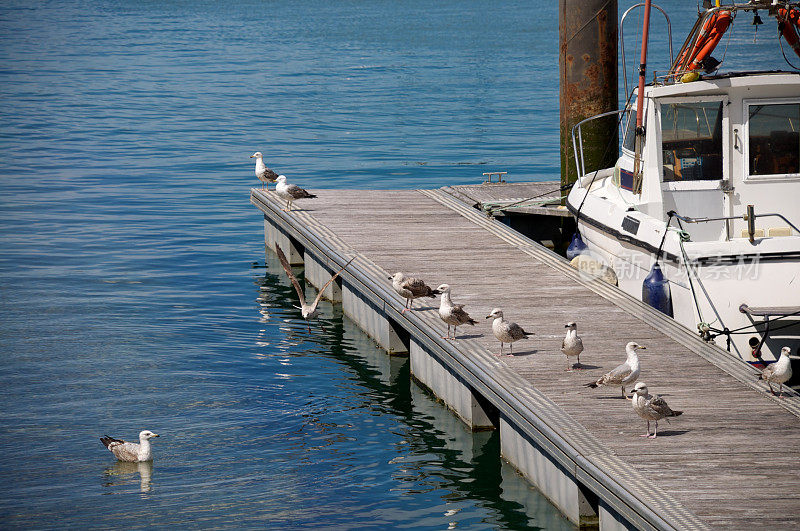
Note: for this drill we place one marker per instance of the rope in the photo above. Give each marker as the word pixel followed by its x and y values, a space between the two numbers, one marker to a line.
pixel 490 209
pixel 684 236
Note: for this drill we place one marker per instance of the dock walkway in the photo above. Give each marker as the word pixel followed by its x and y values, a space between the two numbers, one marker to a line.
pixel 731 461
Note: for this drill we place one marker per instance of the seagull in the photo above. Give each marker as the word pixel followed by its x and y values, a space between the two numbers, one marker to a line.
pixel 572 345
pixel 290 192
pixel 506 332
pixel 264 174
pixel 625 374
pixel 651 407
pixel 411 288
pixel 309 311
pixel 128 451
pixel 452 314
pixel 778 372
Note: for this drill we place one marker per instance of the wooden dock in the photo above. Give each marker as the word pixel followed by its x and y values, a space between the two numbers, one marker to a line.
pixel 731 461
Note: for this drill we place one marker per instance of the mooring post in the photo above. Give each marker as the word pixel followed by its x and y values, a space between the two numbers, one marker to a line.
pixel 588 74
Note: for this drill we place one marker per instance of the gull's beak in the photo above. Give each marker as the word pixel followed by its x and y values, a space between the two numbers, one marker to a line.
pixel 252 156
pixel 488 316
pixel 566 326
pixel 641 347
pixel 156 435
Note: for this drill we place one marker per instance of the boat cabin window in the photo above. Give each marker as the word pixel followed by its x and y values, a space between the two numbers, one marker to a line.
pixel 691 141
pixel 629 140
pixel 774 139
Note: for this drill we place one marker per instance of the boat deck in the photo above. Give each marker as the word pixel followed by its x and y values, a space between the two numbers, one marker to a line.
pixel 730 461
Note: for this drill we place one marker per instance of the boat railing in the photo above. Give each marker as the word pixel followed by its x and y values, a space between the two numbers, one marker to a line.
pixel 577 143
pixel 622 39
pixel 749 216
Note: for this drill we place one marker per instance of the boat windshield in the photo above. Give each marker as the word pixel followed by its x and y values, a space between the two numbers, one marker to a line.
pixel 691 141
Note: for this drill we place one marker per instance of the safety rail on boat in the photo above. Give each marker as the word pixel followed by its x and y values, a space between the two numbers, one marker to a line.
pixel 622 39
pixel 749 216
pixel 579 162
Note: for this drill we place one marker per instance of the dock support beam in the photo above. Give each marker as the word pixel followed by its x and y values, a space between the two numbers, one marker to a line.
pixel 318 273
pixel 449 387
pixel 374 321
pixel 274 236
pixel 557 483
pixel 588 71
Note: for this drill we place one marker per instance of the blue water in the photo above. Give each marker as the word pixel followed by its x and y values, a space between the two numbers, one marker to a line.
pixel 128 294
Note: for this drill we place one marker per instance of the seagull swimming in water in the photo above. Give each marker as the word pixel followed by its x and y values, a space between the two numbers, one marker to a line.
pixel 264 174
pixel 308 311
pixel 778 372
pixel 505 331
pixel 128 451
pixel 411 288
pixel 624 374
pixel 651 407
pixel 452 314
pixel 290 192
pixel 572 346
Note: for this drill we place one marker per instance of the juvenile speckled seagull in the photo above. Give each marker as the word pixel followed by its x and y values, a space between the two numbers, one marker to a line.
pixel 778 372
pixel 128 451
pixel 290 192
pixel 505 331
pixel 308 311
pixel 572 346
pixel 264 174
pixel 411 288
pixel 624 374
pixel 452 314
pixel 651 407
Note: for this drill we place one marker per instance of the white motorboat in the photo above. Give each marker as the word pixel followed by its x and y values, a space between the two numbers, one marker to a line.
pixel 701 217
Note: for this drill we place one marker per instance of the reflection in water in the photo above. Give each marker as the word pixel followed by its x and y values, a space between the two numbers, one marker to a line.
pixel 119 474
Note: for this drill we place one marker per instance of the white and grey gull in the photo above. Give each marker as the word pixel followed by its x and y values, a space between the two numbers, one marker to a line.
pixel 264 174
pixel 572 345
pixel 308 311
pixel 624 374
pixel 411 288
pixel 506 331
pixel 452 314
pixel 778 372
pixel 290 192
pixel 651 407
pixel 128 451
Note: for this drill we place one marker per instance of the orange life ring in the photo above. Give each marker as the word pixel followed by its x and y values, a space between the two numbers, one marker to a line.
pixel 707 39
pixel 789 23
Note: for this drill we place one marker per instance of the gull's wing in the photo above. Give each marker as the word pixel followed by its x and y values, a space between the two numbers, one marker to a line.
pixel 328 283
pixel 416 286
pixel 288 269
pixel 516 331
pixel 659 405
pixel 124 451
pixel 617 375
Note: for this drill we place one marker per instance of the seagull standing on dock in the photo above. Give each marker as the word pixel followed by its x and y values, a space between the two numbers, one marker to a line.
pixel 128 451
pixel 264 174
pixel 651 407
pixel 308 311
pixel 452 314
pixel 411 288
pixel 572 346
pixel 290 192
pixel 505 331
pixel 624 374
pixel 778 372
